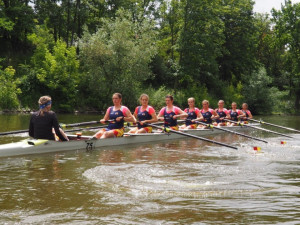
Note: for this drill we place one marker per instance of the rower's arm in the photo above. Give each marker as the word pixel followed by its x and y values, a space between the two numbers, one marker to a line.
pixel 242 115
pixel 31 128
pixel 199 117
pixel 228 116
pixel 153 120
pixel 160 116
pixel 129 117
pixel 250 115
pixel 181 114
pixel 105 118
pixel 215 115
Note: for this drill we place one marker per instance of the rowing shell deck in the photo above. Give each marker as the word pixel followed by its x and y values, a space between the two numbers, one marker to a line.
pixel 33 146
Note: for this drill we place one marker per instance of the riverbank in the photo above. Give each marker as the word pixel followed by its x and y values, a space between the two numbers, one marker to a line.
pixel 28 111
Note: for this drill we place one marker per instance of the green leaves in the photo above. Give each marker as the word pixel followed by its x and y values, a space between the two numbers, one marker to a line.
pixel 55 68
pixel 8 89
pixel 116 58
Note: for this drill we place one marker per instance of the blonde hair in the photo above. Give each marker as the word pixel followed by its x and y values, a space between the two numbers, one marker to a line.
pixel 144 95
pixel 192 99
pixel 205 101
pixel 221 101
pixel 43 100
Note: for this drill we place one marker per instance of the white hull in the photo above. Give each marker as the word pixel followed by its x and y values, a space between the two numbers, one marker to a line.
pixel 30 146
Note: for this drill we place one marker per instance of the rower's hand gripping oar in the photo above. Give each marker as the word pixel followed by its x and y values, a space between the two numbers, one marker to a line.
pixel 258 128
pixel 191 135
pixel 275 125
pixel 230 131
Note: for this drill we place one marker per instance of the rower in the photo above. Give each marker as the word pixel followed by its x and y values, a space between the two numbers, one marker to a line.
pixel 116 114
pixel 222 112
pixel 170 113
pixel 207 113
pixel 44 120
pixel 193 115
pixel 145 114
pixel 234 114
pixel 247 112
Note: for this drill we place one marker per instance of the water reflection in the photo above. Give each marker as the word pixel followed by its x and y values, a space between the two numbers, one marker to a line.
pixel 183 181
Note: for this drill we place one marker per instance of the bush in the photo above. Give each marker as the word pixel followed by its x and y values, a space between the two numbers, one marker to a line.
pixel 8 89
pixel 258 94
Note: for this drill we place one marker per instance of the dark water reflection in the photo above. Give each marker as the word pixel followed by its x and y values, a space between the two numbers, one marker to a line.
pixel 184 181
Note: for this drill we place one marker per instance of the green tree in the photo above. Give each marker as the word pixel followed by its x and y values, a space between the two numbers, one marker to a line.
pixel 116 59
pixel 16 22
pixel 54 70
pixel 269 52
pixel 257 92
pixel 9 89
pixel 201 42
pixel 239 48
pixel 287 30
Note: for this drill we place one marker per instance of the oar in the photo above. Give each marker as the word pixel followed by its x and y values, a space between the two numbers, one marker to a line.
pixel 84 123
pixel 192 136
pixel 230 131
pixel 13 132
pixel 86 128
pixel 62 125
pixel 258 128
pixel 275 125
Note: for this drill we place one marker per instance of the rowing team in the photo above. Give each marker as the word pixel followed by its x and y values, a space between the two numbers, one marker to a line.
pixel 44 124
pixel 169 114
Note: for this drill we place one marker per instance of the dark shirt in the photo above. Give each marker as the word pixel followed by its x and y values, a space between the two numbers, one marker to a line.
pixel 40 126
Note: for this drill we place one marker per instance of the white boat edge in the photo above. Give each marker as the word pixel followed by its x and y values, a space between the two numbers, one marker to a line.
pixel 39 146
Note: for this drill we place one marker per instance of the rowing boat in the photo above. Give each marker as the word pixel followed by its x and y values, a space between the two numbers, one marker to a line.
pixel 37 146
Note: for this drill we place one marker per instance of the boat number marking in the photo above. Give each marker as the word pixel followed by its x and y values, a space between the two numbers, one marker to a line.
pixel 90 145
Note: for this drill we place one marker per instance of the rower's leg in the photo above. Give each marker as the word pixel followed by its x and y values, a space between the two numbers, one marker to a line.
pixel 142 130
pixel 108 134
pixel 133 130
pixel 99 134
pixel 183 126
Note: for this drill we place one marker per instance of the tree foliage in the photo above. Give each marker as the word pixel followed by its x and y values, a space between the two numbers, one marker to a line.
pixel 116 58
pixel 9 89
pixel 82 51
pixel 287 31
pixel 54 70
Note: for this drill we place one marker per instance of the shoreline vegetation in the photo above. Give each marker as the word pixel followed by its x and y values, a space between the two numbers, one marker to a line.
pixel 96 112
pixel 81 52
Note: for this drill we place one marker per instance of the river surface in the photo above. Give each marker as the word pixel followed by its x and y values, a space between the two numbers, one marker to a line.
pixel 184 181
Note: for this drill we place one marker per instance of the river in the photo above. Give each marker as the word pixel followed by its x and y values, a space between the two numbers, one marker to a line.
pixel 185 181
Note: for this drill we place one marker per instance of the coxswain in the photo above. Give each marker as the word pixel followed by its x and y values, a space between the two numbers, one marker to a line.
pixel 193 115
pixel 247 112
pixel 208 114
pixel 116 115
pixel 170 113
pixel 145 114
pixel 234 113
pixel 44 121
pixel 222 112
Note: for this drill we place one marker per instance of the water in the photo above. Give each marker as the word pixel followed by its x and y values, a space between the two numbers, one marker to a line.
pixel 185 181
